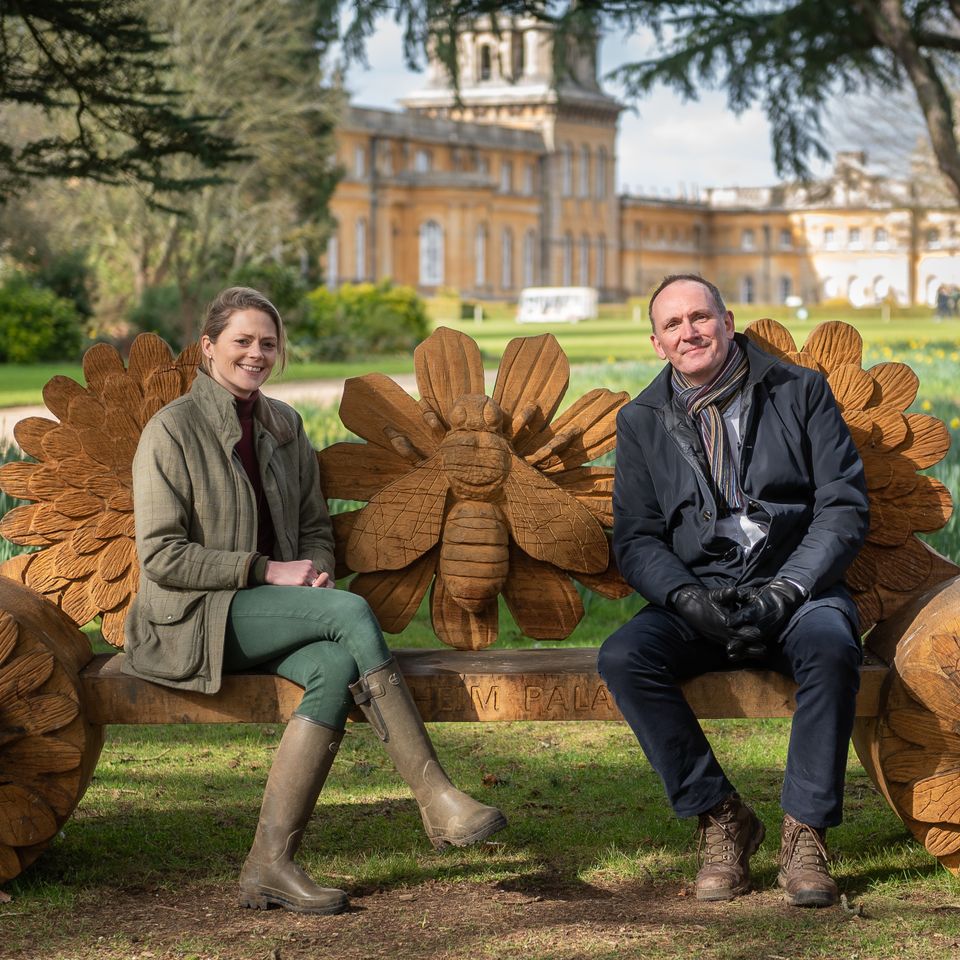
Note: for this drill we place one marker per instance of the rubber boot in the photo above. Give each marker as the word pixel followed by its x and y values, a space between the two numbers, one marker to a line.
pixel 269 877
pixel 449 816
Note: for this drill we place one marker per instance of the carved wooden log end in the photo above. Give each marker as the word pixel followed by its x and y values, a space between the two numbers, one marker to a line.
pixel 912 749
pixel 48 749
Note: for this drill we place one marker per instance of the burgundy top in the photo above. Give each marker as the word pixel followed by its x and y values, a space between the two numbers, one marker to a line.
pixel 248 457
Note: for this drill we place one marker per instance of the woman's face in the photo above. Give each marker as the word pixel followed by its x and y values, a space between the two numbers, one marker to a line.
pixel 244 354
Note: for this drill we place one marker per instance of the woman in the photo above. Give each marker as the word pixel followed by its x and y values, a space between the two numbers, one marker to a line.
pixel 236 556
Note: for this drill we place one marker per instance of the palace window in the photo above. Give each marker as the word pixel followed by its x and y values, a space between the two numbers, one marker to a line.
pixel 600 281
pixel 747 292
pixel 748 240
pixel 529 177
pixel 506 259
pixel 567 265
pixel 431 254
pixel 786 288
pixel 566 170
pixel 853 238
pixel 480 256
pixel 529 258
pixel 486 62
pixel 360 161
pixel 584 271
pixel 829 238
pixel 333 262
pixel 786 239
pixel 933 238
pixel 360 266
pixel 506 176
pixel 601 173
pixel 880 238
pixel 584 179
pixel 422 161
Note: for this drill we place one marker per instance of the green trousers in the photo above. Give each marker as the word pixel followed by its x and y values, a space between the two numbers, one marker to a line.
pixel 321 639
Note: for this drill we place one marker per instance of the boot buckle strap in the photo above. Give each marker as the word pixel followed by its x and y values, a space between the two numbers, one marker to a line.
pixel 365 695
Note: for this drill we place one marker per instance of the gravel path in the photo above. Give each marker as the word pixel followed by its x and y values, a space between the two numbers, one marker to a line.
pixel 323 392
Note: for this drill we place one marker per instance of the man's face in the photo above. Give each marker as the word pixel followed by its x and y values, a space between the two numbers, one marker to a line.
pixel 690 332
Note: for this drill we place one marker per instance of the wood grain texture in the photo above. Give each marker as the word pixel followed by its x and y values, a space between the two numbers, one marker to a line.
pixel 82 480
pixel 464 485
pixel 48 747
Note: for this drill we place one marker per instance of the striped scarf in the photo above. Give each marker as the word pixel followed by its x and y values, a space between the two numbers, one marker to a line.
pixel 705 404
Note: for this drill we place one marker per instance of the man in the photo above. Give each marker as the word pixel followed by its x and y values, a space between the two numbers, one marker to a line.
pixel 739 501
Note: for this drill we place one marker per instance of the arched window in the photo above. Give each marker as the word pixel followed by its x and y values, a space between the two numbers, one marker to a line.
pixel 333 262
pixel 584 179
pixel 506 259
pixel 529 258
pixel 584 271
pixel 486 64
pixel 480 256
pixel 600 280
pixel 567 266
pixel 601 174
pixel 360 249
pixel 746 290
pixel 566 170
pixel 431 254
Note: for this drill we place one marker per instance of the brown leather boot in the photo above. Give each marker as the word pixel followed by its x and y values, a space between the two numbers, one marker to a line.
pixel 270 878
pixel 449 815
pixel 804 876
pixel 730 834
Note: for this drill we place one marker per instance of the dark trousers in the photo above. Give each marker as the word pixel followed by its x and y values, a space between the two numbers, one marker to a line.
pixel 643 663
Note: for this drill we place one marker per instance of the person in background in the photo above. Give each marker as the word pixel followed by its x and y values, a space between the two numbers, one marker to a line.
pixel 236 571
pixel 739 501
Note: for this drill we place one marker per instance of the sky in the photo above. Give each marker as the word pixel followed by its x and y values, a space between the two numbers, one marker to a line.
pixel 666 147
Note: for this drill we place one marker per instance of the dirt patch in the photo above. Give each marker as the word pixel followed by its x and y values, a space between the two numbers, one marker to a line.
pixel 432 920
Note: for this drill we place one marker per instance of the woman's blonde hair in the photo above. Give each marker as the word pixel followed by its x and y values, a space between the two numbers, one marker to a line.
pixel 227 302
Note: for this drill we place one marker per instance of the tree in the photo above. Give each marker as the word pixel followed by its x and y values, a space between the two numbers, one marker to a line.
pixel 255 66
pixel 98 70
pixel 790 56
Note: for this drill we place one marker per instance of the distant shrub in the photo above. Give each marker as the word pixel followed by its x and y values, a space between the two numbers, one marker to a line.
pixel 159 311
pixel 36 325
pixel 359 320
pixel 280 284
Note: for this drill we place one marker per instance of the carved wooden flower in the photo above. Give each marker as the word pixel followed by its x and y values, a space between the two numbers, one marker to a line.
pixel 82 483
pixel 479 494
pixel 894 565
pixel 40 752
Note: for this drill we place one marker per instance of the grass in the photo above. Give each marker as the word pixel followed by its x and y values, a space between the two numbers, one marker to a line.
pixel 619 334
pixel 595 863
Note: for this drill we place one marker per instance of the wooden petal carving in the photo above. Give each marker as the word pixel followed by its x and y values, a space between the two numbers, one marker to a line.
pixel 541 598
pixel 148 354
pixel 585 431
pixel 533 377
pixel 771 336
pixel 835 343
pixel 395 595
pixel 377 409
pixel 100 362
pixel 851 386
pixel 448 365
pixel 897 384
pixel 15 478
pixel 58 393
pixel 29 434
pixel 591 486
pixel 928 440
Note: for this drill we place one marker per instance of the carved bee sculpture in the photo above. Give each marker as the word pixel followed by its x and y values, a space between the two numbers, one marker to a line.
pixel 482 493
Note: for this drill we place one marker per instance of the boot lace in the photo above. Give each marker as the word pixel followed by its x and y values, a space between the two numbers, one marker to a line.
pixel 716 838
pixel 804 849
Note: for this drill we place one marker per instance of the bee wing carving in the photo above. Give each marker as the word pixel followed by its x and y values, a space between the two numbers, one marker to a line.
pixel 401 522
pixel 551 525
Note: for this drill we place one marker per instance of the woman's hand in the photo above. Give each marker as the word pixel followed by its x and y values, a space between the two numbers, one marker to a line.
pixel 296 573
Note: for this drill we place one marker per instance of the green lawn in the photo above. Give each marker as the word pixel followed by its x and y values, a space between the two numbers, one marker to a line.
pixel 615 336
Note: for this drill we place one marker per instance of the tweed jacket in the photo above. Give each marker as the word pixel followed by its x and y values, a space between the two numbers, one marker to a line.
pixel 196 526
pixel 799 471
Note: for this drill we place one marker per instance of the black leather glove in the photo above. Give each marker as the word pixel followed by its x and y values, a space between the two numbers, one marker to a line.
pixel 768 608
pixel 708 613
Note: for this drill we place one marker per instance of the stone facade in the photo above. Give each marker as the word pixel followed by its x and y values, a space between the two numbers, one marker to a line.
pixel 513 185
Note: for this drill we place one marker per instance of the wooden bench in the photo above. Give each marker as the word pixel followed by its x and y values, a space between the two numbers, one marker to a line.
pixel 56 697
pixel 454 686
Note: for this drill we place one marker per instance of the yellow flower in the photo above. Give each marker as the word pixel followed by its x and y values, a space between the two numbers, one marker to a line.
pixel 926 405
pixel 955 423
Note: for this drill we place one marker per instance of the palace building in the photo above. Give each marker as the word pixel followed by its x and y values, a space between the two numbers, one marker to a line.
pixel 512 185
